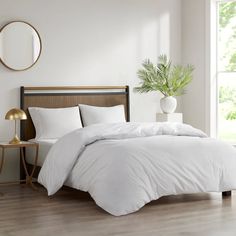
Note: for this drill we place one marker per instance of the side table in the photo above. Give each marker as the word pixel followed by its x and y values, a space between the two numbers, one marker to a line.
pixel 173 117
pixel 29 176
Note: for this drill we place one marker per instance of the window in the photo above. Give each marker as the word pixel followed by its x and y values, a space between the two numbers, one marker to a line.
pixel 226 70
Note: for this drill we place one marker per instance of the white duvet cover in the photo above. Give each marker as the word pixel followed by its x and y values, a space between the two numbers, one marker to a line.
pixel 126 165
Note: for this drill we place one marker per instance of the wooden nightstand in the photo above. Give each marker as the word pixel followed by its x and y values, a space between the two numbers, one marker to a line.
pixel 21 146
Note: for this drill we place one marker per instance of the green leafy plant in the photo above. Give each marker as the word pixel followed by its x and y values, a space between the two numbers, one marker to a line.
pixel 227 100
pixel 231 115
pixel 227 13
pixel 169 80
pixel 227 94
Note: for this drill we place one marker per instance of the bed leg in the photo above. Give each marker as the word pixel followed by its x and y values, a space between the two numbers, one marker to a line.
pixel 226 194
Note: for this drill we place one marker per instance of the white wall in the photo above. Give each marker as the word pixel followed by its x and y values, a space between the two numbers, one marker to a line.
pixel 194 52
pixel 89 42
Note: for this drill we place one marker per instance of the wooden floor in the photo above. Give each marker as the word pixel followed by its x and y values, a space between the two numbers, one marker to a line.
pixel 24 212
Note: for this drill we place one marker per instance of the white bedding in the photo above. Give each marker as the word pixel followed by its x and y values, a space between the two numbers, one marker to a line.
pixel 44 147
pixel 125 166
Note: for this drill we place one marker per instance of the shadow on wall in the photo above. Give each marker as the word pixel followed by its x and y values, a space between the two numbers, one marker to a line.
pixel 117 37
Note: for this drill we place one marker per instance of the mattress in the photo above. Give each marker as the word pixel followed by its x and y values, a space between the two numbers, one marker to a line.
pixel 44 147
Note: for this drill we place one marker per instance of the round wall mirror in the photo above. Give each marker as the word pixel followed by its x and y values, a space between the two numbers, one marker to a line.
pixel 20 45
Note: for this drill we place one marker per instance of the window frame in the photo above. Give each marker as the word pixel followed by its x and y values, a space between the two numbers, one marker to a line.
pixel 212 72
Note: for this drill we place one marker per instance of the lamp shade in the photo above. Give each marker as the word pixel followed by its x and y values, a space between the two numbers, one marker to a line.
pixel 15 114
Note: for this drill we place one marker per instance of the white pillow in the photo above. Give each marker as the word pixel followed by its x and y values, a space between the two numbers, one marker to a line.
pixel 94 115
pixel 53 123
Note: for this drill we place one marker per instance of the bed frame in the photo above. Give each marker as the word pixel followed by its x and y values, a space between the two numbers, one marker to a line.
pixel 68 96
pixel 58 97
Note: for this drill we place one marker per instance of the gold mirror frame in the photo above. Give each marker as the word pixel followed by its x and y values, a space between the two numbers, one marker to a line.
pixel 40 50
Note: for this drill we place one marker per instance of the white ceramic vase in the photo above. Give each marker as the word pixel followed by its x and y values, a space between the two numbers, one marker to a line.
pixel 168 104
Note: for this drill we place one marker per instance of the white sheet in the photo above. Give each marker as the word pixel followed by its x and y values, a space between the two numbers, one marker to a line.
pixel 44 147
pixel 125 166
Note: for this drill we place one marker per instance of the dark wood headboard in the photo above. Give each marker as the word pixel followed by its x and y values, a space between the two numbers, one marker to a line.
pixel 59 97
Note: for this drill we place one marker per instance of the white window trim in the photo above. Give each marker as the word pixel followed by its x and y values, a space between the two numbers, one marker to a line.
pixel 210 69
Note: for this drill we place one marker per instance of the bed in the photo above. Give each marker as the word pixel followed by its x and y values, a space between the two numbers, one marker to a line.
pixel 126 165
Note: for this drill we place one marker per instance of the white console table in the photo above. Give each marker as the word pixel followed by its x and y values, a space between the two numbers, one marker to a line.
pixel 173 117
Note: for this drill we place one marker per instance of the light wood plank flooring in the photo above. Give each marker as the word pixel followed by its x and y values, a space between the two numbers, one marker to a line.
pixel 24 212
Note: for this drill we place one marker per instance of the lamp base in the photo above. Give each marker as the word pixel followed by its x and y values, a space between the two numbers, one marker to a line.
pixel 15 140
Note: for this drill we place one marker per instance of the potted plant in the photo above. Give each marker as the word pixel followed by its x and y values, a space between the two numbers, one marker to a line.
pixel 165 78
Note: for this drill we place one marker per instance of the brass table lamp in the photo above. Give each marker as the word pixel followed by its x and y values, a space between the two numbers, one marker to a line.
pixel 15 114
